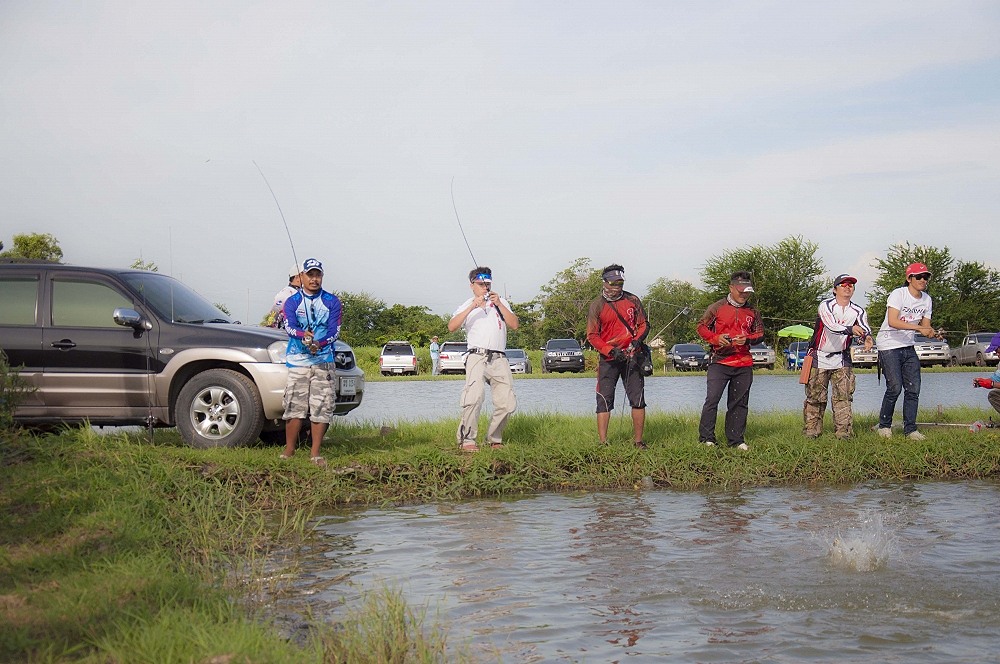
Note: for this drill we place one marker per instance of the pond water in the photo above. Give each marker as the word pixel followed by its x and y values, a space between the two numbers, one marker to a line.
pixel 880 572
pixel 388 401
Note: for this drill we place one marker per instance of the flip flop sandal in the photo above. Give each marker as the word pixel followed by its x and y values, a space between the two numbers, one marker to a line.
pixel 496 446
pixel 283 456
pixel 319 461
pixel 469 446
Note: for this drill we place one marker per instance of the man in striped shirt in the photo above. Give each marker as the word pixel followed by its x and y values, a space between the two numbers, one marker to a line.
pixel 840 320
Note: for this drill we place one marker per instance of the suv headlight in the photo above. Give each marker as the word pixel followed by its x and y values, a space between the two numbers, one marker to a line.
pixel 276 351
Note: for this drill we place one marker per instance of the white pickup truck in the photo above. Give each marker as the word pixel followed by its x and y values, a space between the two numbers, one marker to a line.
pixel 972 350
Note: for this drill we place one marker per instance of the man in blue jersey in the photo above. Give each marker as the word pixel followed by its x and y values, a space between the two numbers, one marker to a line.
pixel 312 320
pixel 839 321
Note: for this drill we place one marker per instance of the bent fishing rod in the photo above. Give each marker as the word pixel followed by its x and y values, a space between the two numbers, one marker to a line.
pixel 475 263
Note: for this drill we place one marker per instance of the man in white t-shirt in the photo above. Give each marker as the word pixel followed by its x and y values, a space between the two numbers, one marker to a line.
pixel 485 317
pixel 908 310
pixel 839 321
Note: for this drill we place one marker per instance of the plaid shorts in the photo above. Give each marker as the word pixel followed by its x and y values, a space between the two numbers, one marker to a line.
pixel 310 392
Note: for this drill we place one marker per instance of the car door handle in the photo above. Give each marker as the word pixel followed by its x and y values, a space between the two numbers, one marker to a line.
pixel 64 344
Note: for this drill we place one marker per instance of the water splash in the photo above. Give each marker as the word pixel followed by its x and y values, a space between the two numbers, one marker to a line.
pixel 865 548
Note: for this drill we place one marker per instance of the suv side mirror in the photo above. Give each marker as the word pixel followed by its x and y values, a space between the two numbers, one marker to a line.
pixel 131 318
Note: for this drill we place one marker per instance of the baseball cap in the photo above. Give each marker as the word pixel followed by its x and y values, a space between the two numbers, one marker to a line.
pixel 994 343
pixel 916 268
pixel 483 276
pixel 312 264
pixel 293 271
pixel 742 285
pixel 613 275
pixel 844 278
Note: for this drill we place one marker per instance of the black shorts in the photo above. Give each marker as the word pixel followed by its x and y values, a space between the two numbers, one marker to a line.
pixel 608 373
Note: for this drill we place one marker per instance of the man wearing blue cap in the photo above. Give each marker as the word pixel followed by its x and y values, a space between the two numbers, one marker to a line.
pixel 992 383
pixel 312 320
pixel 485 317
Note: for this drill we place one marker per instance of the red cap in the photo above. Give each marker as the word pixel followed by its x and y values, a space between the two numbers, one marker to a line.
pixel 916 268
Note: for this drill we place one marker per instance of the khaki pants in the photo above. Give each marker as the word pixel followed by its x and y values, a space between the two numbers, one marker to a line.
pixel 814 407
pixel 479 372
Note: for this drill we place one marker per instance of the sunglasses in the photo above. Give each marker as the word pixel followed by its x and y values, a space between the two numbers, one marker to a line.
pixel 922 277
pixel 484 284
pixel 617 283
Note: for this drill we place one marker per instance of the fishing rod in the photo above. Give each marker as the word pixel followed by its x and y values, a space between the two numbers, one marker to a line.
pixel 475 263
pixel 295 256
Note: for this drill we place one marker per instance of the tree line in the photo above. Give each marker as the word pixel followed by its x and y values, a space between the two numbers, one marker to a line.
pixel 789 279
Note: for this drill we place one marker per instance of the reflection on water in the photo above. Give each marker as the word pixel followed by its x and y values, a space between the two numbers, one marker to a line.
pixel 882 572
pixel 388 401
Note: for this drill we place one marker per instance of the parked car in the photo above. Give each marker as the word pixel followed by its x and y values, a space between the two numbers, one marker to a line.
pixel 129 347
pixel 795 354
pixel 687 357
pixel 861 357
pixel 972 350
pixel 931 351
pixel 397 357
pixel 763 355
pixel 452 358
pixel 562 355
pixel 519 361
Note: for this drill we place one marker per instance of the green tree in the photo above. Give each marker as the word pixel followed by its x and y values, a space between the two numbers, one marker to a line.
pixel 149 266
pixel 529 334
pixel 972 304
pixel 360 320
pixel 788 280
pixel 564 301
pixel 34 246
pixel 672 308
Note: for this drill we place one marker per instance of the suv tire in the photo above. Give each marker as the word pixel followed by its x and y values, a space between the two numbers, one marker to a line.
pixel 219 408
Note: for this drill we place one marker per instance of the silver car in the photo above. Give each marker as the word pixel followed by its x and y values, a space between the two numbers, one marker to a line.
pixel 763 355
pixel 931 351
pixel 861 357
pixel 518 360
pixel 972 350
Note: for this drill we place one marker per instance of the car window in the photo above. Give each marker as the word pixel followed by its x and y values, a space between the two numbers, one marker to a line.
pixel 18 298
pixel 563 344
pixel 690 348
pixel 173 300
pixel 85 304
pixel 921 339
pixel 454 346
pixel 515 353
pixel 397 349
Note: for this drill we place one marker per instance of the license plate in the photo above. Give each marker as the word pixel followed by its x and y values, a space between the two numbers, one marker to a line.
pixel 565 359
pixel 397 370
pixel 347 386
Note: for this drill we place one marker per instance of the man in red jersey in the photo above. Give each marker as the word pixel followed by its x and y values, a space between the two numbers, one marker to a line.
pixel 616 327
pixel 731 326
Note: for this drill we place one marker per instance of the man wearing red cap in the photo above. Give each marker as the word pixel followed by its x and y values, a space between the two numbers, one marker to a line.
pixel 993 382
pixel 839 321
pixel 908 310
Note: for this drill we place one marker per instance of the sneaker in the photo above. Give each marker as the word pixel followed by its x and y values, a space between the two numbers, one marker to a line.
pixel 641 445
pixel 710 443
pixel 742 446
pixel 884 432
pixel 916 435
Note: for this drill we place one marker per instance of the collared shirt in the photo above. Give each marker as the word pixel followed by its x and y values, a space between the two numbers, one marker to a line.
pixel 484 328
pixel 836 331
pixel 319 314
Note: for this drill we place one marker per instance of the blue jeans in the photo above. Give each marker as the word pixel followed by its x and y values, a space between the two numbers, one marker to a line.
pixel 901 368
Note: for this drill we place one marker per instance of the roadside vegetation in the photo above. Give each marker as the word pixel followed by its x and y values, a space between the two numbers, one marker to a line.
pixel 115 549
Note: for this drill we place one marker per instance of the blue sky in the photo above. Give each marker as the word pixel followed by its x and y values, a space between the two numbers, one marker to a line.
pixel 655 134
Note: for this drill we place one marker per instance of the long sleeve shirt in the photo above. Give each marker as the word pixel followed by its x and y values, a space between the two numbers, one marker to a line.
pixel 723 318
pixel 605 330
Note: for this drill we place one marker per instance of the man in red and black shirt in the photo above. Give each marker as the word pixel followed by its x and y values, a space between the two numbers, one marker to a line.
pixel 731 326
pixel 616 327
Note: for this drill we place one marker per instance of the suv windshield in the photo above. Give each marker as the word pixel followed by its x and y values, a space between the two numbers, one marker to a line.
pixel 921 339
pixel 563 344
pixel 172 300
pixel 397 349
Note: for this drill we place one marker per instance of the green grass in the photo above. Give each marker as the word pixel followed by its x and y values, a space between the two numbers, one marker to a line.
pixel 113 549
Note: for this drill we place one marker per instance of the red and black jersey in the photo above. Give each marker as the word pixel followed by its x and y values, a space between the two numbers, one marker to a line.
pixel 723 318
pixel 605 330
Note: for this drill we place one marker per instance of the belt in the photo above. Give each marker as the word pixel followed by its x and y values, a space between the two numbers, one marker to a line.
pixel 490 354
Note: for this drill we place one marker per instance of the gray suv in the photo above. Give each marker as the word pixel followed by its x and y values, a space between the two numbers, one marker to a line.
pixel 128 347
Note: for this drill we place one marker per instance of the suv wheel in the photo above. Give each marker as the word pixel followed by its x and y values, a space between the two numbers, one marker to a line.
pixel 219 408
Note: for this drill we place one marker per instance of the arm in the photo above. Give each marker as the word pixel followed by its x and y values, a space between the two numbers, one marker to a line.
pixel 594 328
pixel 506 313
pixel 335 308
pixel 706 327
pixel 923 327
pixel 458 320
pixel 292 324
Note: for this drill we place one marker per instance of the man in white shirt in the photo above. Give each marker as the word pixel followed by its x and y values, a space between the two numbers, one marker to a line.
pixel 840 320
pixel 485 317
pixel 908 310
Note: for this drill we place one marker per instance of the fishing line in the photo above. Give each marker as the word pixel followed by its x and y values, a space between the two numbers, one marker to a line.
pixel 475 263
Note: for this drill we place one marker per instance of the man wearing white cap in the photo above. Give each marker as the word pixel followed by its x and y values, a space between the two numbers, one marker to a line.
pixel 485 317
pixel 276 316
pixel 907 311
pixel 839 321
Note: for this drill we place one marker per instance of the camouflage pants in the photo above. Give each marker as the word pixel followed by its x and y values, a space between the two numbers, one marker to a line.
pixel 814 406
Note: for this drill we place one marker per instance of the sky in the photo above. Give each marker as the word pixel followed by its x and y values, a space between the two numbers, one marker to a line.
pixel 652 134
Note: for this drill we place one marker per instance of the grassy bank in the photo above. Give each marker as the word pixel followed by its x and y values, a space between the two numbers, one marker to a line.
pixel 113 549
